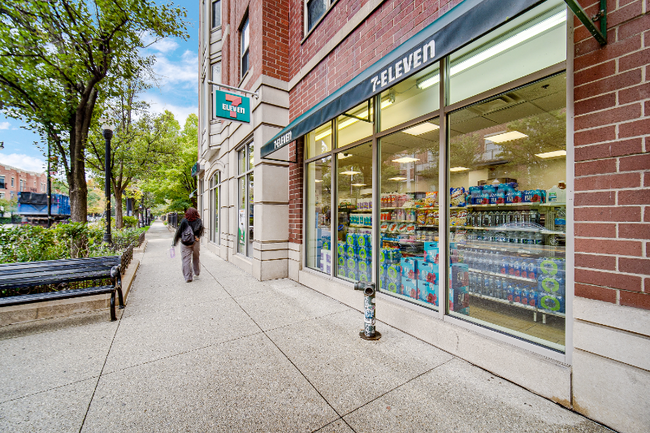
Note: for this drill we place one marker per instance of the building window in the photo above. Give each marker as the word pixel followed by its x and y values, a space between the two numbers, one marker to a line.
pixel 245 42
pixel 245 216
pixel 314 11
pixel 12 181
pixel 2 195
pixel 2 182
pixel 216 14
pixel 22 185
pixel 215 207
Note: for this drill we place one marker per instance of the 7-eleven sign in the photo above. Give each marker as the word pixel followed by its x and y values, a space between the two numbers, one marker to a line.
pixel 230 106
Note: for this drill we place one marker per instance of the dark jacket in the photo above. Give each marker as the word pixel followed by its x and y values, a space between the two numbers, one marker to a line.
pixel 197 228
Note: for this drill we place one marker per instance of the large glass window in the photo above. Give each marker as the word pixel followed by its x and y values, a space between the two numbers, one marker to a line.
pixel 527 44
pixel 319 141
pixel 245 217
pixel 245 42
pixel 215 207
pixel 504 165
pixel 355 124
pixel 354 186
pixel 508 212
pixel 319 215
pixel 408 258
pixel 411 98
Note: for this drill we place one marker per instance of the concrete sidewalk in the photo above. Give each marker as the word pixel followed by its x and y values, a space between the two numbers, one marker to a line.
pixel 229 353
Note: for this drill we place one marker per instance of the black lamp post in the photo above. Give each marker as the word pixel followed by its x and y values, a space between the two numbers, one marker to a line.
pixel 107 130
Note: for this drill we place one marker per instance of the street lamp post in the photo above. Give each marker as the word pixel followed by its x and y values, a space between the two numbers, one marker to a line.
pixel 107 130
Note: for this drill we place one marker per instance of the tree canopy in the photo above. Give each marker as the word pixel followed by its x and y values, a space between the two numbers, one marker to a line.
pixel 59 58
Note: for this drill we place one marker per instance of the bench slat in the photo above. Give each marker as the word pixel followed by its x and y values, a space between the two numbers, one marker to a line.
pixel 107 260
pixel 62 294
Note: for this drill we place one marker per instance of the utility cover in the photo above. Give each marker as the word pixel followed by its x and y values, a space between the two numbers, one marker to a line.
pixel 230 106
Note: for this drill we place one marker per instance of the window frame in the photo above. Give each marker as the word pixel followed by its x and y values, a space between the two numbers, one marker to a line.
pixel 245 174
pixel 212 9
pixel 306 30
pixel 244 38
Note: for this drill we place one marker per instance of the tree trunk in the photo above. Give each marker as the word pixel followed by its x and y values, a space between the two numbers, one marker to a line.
pixel 119 221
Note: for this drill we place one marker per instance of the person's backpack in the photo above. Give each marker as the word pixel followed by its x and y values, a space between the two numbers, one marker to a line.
pixel 187 236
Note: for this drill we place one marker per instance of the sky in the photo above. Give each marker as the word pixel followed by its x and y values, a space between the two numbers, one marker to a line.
pixel 177 71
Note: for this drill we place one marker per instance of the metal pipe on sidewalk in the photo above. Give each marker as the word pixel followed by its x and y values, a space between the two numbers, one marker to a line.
pixel 369 332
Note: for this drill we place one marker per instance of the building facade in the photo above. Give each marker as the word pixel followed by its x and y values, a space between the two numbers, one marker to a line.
pixel 14 180
pixel 483 162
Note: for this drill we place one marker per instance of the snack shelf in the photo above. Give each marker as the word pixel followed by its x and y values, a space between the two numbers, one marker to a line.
pixel 360 226
pixel 498 205
pixel 535 310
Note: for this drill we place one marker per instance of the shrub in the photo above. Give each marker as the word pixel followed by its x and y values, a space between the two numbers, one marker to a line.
pixel 29 243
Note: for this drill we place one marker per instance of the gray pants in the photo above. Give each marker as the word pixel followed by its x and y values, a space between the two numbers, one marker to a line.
pixel 190 258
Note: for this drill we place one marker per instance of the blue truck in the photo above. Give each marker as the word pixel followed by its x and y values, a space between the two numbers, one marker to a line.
pixel 33 207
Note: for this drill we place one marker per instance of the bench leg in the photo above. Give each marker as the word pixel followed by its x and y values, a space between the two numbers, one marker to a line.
pixel 120 297
pixel 113 318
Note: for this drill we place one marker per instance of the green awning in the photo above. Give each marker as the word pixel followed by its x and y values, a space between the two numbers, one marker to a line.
pixel 463 24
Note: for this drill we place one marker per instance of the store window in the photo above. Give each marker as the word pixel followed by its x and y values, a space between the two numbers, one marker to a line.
pixel 245 217
pixel 508 212
pixel 244 37
pixel 503 161
pixel 319 215
pixel 314 11
pixel 215 207
pixel 216 14
pixel 414 97
pixel 355 124
pixel 319 141
pixel 529 43
pixel 409 256
pixel 354 202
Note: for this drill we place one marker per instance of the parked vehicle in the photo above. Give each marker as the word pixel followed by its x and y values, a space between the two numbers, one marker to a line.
pixel 32 207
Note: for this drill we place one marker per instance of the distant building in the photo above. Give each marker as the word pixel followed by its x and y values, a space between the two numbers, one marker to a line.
pixel 14 180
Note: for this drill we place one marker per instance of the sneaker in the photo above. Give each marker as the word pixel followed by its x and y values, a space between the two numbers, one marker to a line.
pixel 188 281
pixel 196 277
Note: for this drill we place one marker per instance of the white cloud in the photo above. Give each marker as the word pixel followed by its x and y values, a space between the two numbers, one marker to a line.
pixel 165 45
pixel 184 71
pixel 23 162
pixel 159 105
pixel 5 125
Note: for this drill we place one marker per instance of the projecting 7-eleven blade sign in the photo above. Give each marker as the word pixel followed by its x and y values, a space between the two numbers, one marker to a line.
pixel 230 106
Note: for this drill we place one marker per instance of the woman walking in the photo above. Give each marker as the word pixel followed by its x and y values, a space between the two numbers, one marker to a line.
pixel 189 232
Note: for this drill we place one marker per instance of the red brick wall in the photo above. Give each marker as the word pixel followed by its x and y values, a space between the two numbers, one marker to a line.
pixel 295 191
pixel 390 25
pixel 612 170
pixel 275 39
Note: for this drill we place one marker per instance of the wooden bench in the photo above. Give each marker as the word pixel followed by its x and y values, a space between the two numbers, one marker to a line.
pixel 62 274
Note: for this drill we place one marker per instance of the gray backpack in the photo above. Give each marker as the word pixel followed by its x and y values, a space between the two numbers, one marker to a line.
pixel 187 236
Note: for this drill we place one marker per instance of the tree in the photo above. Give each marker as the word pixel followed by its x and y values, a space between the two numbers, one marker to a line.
pixel 173 184
pixel 58 59
pixel 137 147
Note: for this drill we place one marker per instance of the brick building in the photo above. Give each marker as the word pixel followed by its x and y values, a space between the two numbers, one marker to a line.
pixel 14 180
pixel 536 264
